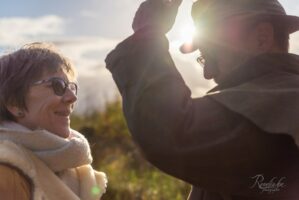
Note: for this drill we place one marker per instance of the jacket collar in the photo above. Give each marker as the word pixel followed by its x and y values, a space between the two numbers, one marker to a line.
pixel 259 66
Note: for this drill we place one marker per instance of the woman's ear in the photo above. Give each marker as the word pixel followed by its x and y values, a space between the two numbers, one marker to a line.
pixel 264 36
pixel 15 111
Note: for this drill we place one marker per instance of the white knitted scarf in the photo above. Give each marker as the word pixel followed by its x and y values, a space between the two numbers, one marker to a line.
pixel 57 152
pixel 61 155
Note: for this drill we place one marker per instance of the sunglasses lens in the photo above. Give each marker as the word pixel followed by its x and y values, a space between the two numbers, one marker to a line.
pixel 73 87
pixel 59 86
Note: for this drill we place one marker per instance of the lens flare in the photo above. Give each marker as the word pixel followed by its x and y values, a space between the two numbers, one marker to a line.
pixel 95 190
pixel 187 33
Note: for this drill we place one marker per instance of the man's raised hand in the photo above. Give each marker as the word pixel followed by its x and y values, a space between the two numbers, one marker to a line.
pixel 157 15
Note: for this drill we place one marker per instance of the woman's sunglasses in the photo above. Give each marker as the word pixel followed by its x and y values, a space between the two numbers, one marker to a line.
pixel 59 85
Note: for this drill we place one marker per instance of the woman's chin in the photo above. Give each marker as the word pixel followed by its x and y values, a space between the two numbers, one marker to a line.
pixel 62 132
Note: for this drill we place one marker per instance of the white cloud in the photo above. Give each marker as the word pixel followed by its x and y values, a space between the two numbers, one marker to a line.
pixel 89 14
pixel 294 43
pixel 86 51
pixel 19 30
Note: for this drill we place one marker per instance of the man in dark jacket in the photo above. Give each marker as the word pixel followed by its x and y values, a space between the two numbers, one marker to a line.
pixel 240 141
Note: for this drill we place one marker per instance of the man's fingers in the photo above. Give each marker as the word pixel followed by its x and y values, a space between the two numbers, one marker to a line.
pixel 172 2
pixel 139 18
pixel 156 13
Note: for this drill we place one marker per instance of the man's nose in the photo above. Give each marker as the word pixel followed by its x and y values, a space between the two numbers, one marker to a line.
pixel 210 70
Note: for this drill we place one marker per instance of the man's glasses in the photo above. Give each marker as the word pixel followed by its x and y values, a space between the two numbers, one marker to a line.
pixel 209 54
pixel 201 60
pixel 59 85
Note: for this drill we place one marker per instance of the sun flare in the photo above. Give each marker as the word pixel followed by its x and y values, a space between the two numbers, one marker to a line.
pixel 187 32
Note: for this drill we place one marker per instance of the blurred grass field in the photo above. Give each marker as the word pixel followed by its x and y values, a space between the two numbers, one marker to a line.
pixel 130 176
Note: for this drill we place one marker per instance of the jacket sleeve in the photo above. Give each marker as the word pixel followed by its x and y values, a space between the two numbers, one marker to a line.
pixel 196 140
pixel 13 185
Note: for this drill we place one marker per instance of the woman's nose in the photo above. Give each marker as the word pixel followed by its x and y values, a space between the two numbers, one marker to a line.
pixel 69 96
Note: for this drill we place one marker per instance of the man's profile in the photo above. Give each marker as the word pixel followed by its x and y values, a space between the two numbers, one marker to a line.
pixel 244 127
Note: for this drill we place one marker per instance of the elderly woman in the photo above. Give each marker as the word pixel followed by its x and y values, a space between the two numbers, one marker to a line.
pixel 41 158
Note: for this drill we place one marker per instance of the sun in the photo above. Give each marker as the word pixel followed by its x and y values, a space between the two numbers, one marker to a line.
pixel 187 32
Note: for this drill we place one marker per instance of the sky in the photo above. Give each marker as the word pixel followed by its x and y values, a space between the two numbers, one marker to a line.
pixel 87 30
